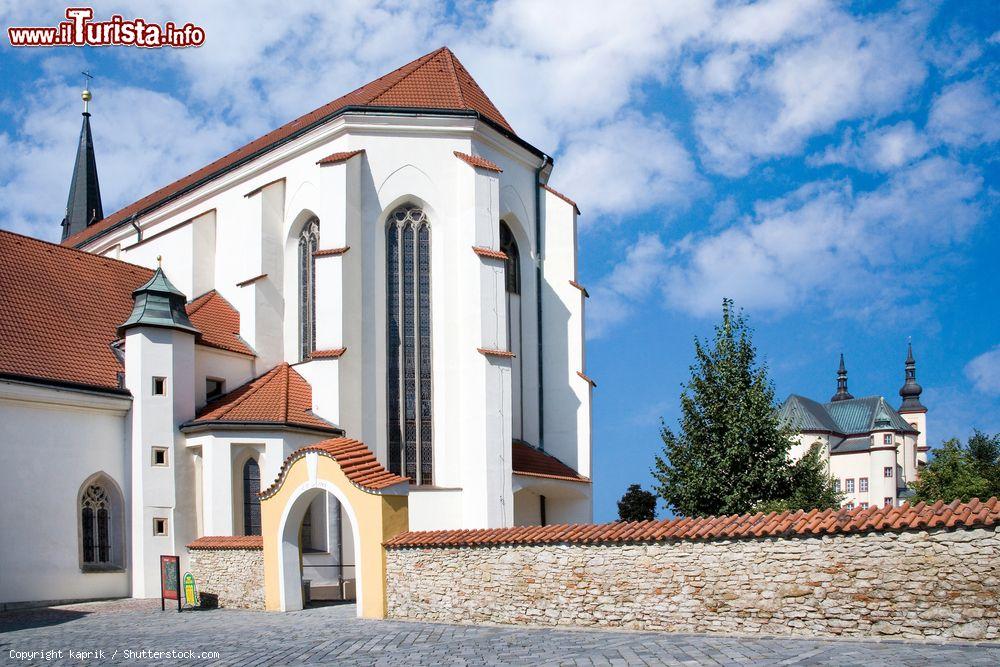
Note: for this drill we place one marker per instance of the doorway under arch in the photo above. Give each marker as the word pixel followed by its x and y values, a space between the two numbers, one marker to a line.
pixel 374 502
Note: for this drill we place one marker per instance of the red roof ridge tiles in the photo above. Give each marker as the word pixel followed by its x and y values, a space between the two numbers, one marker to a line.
pixel 354 458
pixel 489 252
pixel 343 156
pixel 478 161
pixel 216 542
pixel 279 397
pixel 526 460
pixel 563 197
pixel 795 523
pixel 436 80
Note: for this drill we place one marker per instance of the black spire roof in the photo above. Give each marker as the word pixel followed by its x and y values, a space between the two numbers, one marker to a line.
pixel 83 208
pixel 842 393
pixel 910 391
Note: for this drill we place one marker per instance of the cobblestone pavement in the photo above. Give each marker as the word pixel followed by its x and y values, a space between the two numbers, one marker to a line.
pixel 333 635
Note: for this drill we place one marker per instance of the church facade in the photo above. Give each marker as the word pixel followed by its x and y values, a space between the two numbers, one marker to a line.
pixel 390 269
pixel 873 451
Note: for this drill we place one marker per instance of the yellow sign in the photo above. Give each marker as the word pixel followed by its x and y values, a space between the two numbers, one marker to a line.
pixel 190 594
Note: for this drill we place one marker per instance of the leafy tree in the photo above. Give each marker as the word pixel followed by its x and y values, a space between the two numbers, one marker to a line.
pixel 812 486
pixel 637 505
pixel 963 472
pixel 731 452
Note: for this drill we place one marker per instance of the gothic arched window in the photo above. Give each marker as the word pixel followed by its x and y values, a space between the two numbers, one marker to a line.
pixel 251 498
pixel 512 281
pixel 308 243
pixel 100 508
pixel 408 344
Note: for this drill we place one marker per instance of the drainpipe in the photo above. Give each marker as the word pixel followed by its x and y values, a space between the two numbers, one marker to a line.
pixel 138 230
pixel 546 161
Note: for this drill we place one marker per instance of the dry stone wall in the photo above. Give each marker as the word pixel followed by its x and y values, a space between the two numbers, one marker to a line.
pixel 230 577
pixel 940 583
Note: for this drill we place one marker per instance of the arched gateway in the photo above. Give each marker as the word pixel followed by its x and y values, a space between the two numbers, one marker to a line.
pixel 374 500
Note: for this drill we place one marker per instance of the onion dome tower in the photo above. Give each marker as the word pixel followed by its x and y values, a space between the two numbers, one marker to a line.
pixel 911 390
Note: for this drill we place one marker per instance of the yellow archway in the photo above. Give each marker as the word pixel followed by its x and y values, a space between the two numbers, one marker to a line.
pixel 374 499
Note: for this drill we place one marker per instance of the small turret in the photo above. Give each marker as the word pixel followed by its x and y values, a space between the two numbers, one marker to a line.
pixel 911 390
pixel 842 393
pixel 83 208
pixel 159 304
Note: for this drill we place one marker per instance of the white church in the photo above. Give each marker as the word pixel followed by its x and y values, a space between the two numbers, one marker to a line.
pixel 873 451
pixel 390 268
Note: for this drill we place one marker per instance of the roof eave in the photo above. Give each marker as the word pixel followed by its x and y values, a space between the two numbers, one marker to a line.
pixel 200 426
pixel 360 109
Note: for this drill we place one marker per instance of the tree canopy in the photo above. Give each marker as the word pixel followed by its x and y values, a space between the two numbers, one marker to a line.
pixel 961 471
pixel 637 504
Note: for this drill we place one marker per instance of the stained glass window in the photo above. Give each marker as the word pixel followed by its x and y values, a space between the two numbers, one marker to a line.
pixel 408 345
pixel 308 243
pixel 251 499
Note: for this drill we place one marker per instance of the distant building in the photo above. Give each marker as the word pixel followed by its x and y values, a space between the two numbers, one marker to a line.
pixel 874 451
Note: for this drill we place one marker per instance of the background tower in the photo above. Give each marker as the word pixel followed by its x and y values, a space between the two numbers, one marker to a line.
pixel 83 208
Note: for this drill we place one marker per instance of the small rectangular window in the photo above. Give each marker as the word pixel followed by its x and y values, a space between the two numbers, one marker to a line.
pixel 159 386
pixel 887 439
pixel 887 471
pixel 849 506
pixel 214 388
pixel 159 456
pixel 863 506
pixel 888 502
pixel 836 485
pixel 863 485
pixel 159 527
pixel 850 485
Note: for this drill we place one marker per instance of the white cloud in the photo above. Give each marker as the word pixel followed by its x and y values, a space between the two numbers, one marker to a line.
pixel 831 247
pixel 881 149
pixel 616 297
pixel 626 166
pixel 984 371
pixel 966 114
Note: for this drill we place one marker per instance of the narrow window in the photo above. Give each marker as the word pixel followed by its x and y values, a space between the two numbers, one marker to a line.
pixel 159 527
pixel 863 484
pixel 408 345
pixel 836 485
pixel 887 439
pixel 214 388
pixel 308 243
pixel 850 485
pixel 512 282
pixel 887 471
pixel 159 386
pixel 306 532
pixel 888 501
pixel 251 498
pixel 160 456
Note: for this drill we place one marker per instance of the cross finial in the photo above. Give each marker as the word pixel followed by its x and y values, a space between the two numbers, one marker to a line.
pixel 159 261
pixel 86 95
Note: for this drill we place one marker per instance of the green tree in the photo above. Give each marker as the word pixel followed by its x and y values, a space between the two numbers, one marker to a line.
pixel 812 486
pixel 731 453
pixel 961 471
pixel 637 505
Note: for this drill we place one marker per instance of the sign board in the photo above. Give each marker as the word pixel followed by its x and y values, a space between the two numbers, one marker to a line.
pixel 170 580
pixel 190 592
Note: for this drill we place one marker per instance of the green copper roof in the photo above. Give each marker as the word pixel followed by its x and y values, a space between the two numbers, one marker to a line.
pixel 842 417
pixel 159 304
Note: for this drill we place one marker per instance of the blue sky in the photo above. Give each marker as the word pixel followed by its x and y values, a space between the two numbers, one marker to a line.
pixel 830 166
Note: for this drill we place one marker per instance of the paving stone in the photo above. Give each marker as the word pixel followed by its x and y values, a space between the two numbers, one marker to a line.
pixel 334 635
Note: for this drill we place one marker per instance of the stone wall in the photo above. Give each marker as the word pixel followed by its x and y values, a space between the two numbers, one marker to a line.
pixel 229 577
pixel 929 583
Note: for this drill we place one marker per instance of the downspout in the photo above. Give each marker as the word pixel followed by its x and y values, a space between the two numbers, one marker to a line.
pixel 546 161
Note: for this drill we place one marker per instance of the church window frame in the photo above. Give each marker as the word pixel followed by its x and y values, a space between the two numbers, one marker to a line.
pixel 250 472
pixel 308 244
pixel 409 339
pixel 100 522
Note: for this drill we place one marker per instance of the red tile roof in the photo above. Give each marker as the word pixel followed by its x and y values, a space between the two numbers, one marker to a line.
pixel 331 252
pixel 336 158
pixel 435 81
pixel 228 542
pixel 785 524
pixel 507 354
pixel 335 353
pixel 59 310
pixel 563 197
pixel 526 460
pixel 580 287
pixel 354 458
pixel 279 397
pixel 477 161
pixel 489 252
pixel 218 322
pixel 588 379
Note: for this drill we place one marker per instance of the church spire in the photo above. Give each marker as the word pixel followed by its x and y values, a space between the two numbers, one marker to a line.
pixel 910 391
pixel 842 393
pixel 83 208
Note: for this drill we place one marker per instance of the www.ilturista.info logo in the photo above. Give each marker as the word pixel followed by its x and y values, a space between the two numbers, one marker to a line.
pixel 80 30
